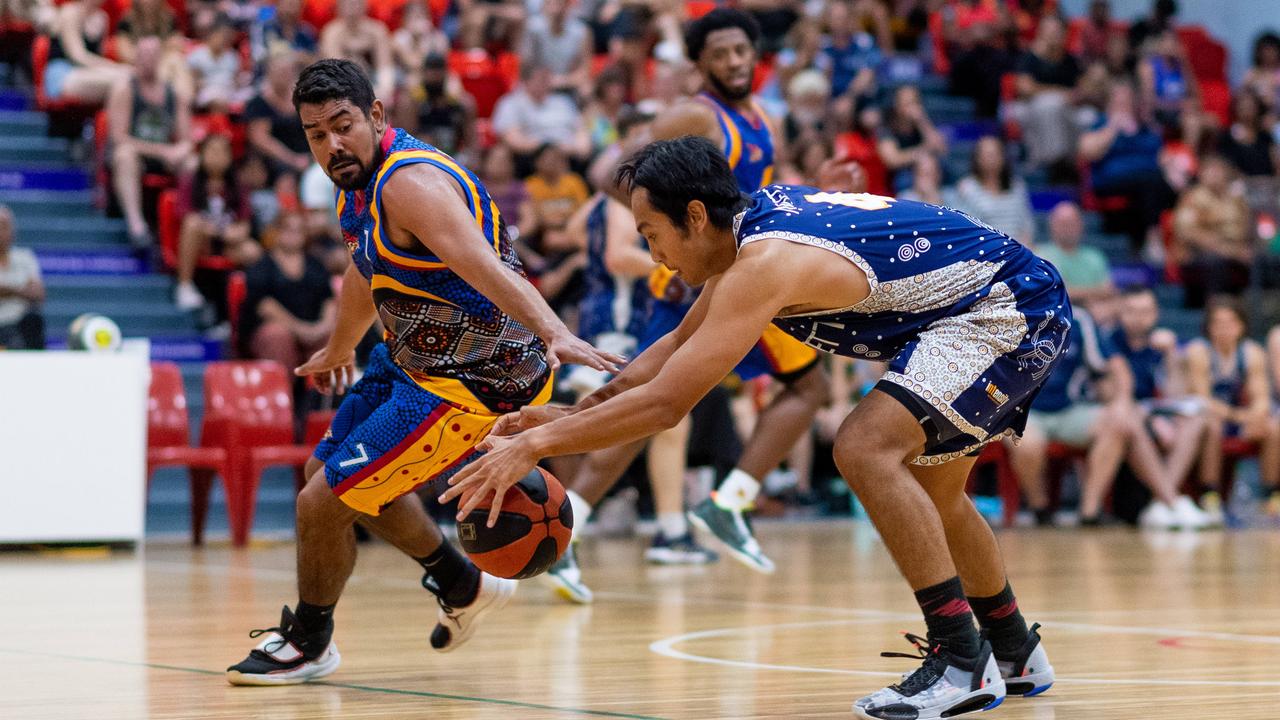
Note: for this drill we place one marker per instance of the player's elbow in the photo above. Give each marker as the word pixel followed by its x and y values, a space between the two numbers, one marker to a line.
pixel 666 411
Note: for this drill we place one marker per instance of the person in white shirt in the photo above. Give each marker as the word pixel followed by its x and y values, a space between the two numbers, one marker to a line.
pixel 21 292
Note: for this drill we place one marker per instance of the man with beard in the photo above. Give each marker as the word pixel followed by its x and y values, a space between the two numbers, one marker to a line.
pixel 467 339
pixel 722 44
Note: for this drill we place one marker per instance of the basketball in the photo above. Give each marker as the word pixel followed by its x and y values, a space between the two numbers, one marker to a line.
pixel 94 333
pixel 532 532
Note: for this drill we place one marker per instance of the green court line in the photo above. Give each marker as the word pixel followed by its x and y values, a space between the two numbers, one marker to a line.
pixel 346 686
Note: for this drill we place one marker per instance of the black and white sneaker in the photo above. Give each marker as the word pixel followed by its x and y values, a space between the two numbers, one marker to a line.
pixel 944 686
pixel 454 625
pixel 731 529
pixel 287 655
pixel 683 550
pixel 1029 673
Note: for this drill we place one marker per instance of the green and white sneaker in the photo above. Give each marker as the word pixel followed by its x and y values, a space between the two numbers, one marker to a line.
pixel 565 578
pixel 731 529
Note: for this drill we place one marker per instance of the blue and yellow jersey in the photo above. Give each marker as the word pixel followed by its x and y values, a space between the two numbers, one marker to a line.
pixel 748 146
pixel 611 304
pixel 441 331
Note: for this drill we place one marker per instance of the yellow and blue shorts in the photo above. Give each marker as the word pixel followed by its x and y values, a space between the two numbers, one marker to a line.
pixel 776 354
pixel 395 432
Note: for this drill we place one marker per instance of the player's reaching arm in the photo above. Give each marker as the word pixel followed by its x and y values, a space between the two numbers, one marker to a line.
pixel 423 203
pixel 333 366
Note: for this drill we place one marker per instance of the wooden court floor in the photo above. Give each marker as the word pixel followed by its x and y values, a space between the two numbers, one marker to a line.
pixel 1164 626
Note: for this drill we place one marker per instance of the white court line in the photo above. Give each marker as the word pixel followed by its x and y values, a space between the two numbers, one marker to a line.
pixel 666 648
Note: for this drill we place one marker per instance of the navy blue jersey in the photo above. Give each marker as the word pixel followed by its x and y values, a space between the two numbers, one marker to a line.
pixel 1083 363
pixel 1144 363
pixel 611 304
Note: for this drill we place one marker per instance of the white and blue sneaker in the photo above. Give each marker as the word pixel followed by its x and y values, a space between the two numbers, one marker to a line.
pixel 683 550
pixel 565 578
pixel 731 528
pixel 944 686
pixel 1029 673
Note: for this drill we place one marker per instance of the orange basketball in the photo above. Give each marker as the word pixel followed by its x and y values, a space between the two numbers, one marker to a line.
pixel 532 532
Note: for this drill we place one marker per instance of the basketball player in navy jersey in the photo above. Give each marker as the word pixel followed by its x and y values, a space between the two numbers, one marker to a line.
pixel 722 44
pixel 969 321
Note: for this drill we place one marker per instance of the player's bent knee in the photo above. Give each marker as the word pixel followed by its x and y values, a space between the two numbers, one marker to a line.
pixel 312 467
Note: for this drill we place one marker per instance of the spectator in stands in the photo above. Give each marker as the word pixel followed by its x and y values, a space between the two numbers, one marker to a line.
pixel 926 182
pixel 859 144
pixel 1248 142
pixel 1169 87
pixel 555 193
pixel 991 193
pixel 608 102
pixel 808 97
pixel 975 32
pixel 417 38
pixel 444 117
pixel 798 54
pixel 1160 20
pixel 154 18
pixel 280 28
pixel 1263 78
pixel 907 134
pixel 1213 234
pixel 289 309
pixel 498 172
pixel 1046 79
pixel 1099 32
pixel 150 121
pixel 1087 404
pixel 21 292
pixel 531 115
pixel 215 218
pixel 273 128
pixel 848 55
pixel 1123 151
pixel 1175 419
pixel 215 68
pixel 1229 371
pixel 76 68
pixel 355 36
pixel 556 40
pixel 1084 269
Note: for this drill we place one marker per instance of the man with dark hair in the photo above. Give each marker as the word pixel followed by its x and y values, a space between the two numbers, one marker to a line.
pixel 722 44
pixel 969 321
pixel 467 339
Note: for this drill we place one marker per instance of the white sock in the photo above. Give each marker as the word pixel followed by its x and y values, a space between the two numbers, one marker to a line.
pixel 581 511
pixel 672 525
pixel 738 491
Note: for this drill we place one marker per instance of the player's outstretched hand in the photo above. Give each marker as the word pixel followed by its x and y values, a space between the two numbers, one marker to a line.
pixel 330 372
pixel 527 418
pixel 506 460
pixel 838 175
pixel 567 348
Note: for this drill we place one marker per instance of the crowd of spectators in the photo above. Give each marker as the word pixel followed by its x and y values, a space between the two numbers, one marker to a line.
pixel 1117 118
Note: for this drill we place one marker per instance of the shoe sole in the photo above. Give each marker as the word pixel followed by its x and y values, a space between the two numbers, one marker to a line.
pixel 662 557
pixel 988 698
pixel 498 600
pixel 566 591
pixel 306 672
pixel 1029 685
pixel 745 559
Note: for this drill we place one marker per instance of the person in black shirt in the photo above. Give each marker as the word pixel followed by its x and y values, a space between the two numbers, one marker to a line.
pixel 288 311
pixel 274 130
pixel 1248 143
pixel 443 119
pixel 1046 79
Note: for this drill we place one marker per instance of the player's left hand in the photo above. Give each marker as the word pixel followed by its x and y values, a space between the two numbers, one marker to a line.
pixel 839 175
pixel 565 347
pixel 507 459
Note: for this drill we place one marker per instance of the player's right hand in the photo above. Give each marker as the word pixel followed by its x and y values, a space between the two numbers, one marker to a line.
pixel 330 372
pixel 565 348
pixel 529 417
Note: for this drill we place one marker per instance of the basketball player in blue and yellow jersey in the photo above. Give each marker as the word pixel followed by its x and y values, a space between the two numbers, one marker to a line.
pixel 722 44
pixel 468 339
pixel 969 322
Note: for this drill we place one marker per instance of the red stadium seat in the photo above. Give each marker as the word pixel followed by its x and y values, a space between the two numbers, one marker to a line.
pixel 249 412
pixel 169 229
pixel 482 77
pixel 237 290
pixel 694 9
pixel 169 443
pixel 1006 482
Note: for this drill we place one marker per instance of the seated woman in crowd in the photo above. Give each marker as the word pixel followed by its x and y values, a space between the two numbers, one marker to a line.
pixel 1263 78
pixel 77 69
pixel 1168 85
pixel 215 219
pixel 1229 371
pixel 907 134
pixel 289 309
pixel 1213 230
pixel 993 195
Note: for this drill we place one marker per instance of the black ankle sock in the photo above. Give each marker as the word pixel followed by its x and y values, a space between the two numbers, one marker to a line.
pixel 1000 617
pixel 314 618
pixel 450 575
pixel 949 619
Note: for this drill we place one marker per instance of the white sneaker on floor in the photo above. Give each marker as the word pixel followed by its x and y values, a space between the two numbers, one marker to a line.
pixel 454 626
pixel 943 686
pixel 1188 516
pixel 187 297
pixel 1157 516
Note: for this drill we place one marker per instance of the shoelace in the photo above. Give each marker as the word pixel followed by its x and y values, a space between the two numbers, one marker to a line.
pixel 268 649
pixel 928 673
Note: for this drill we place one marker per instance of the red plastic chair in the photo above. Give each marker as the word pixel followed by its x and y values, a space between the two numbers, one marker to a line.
pixel 237 291
pixel 169 443
pixel 249 412
pixel 169 227
pixel 994 453
pixel 482 77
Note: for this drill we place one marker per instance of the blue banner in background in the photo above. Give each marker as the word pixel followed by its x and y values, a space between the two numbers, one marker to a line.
pixel 57 262
pixel 12 178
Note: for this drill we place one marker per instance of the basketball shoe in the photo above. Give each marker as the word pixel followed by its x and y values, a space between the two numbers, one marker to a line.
pixel 730 527
pixel 683 550
pixel 287 655
pixel 455 625
pixel 1029 673
pixel 565 578
pixel 944 686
